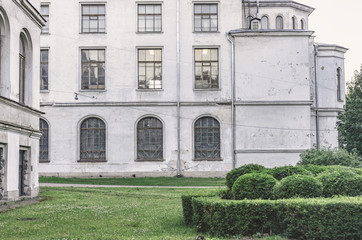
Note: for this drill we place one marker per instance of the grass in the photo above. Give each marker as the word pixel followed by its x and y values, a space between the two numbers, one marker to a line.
pixel 161 181
pixel 102 213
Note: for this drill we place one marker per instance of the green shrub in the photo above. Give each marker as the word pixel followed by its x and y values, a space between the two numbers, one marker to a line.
pixel 326 157
pixel 187 206
pixel 237 172
pixel 315 218
pixel 340 182
pixel 225 194
pixel 298 186
pixel 314 169
pixel 285 171
pixel 254 186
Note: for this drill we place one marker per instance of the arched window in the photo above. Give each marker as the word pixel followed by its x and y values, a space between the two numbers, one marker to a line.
pixel 339 94
pixel 149 139
pixel 207 138
pixel 302 25
pixel 264 22
pixel 22 69
pixel 294 22
pixel 93 140
pixel 44 141
pixel 279 23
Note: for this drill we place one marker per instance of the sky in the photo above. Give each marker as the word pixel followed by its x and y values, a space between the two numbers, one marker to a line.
pixel 339 22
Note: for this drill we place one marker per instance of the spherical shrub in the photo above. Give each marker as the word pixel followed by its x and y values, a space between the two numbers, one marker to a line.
pixel 341 182
pixel 314 169
pixel 282 172
pixel 237 172
pixel 254 186
pixel 304 186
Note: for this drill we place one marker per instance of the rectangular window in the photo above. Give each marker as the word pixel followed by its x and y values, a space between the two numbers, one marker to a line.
pixel 149 68
pixel 205 18
pixel 206 68
pixel 149 18
pixel 44 11
pixel 93 18
pixel 44 61
pixel 93 69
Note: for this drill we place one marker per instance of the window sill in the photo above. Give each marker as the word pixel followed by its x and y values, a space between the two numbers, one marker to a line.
pixel 44 91
pixel 92 90
pixel 149 32
pixel 149 160
pixel 207 89
pixel 92 160
pixel 92 32
pixel 217 32
pixel 44 161
pixel 208 159
pixel 340 100
pixel 150 90
pixel 45 33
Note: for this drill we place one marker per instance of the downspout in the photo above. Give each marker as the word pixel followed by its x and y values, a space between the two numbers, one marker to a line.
pixel 232 98
pixel 316 96
pixel 178 88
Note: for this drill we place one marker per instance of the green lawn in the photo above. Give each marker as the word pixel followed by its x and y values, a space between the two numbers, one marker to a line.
pixel 101 213
pixel 161 181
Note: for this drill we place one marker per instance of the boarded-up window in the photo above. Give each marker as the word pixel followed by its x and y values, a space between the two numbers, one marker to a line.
pixel 44 141
pixel 207 139
pixel 93 140
pixel 149 139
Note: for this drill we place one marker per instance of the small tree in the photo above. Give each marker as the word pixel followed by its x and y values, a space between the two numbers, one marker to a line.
pixel 350 121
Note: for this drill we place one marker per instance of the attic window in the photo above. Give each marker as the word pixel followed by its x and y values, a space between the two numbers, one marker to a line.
pixel 255 25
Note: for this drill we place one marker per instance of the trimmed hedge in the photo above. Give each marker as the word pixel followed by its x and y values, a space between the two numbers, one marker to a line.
pixel 298 186
pixel 326 157
pixel 187 206
pixel 282 172
pixel 340 181
pixel 254 186
pixel 234 174
pixel 316 218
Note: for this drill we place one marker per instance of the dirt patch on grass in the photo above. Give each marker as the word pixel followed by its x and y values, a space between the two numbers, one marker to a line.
pixel 8 206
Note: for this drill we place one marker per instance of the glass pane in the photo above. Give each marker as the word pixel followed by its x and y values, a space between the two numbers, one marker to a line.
pixel 101 9
pixel 198 53
pixel 158 23
pixel 214 54
pixel 158 55
pixel 44 55
pixel 44 10
pixel 205 8
pixel 205 54
pixel 141 9
pixel 213 8
pixel 141 23
pixel 93 55
pixel 141 55
pixel 93 9
pixel 157 9
pixel 197 23
pixel 149 24
pixel 197 8
pixel 149 9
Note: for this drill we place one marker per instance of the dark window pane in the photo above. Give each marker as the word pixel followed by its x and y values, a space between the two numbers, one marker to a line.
pixel 149 139
pixel 92 140
pixel 207 138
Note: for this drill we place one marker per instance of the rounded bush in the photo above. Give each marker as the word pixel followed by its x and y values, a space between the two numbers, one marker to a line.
pixel 254 186
pixel 237 172
pixel 314 169
pixel 282 172
pixel 340 182
pixel 304 186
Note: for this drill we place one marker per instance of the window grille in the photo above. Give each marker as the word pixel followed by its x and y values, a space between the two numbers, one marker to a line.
pixel 149 139
pixel 93 18
pixel 207 139
pixel 93 140
pixel 93 69
pixel 205 18
pixel 149 68
pixel 206 68
pixel 149 18
pixel 44 64
pixel 44 141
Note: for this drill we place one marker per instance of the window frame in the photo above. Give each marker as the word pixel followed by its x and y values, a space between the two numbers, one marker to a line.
pixel 137 17
pixel 267 22
pixel 194 67
pixel 194 142
pixel 81 4
pixel 79 130
pixel 276 22
pixel 43 160
pixel 217 14
pixel 45 4
pixel 44 90
pixel 163 139
pixel 339 84
pixel 81 67
pixel 294 23
pixel 137 68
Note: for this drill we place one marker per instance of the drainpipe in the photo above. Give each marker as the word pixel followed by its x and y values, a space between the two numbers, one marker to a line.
pixel 316 96
pixel 228 35
pixel 178 88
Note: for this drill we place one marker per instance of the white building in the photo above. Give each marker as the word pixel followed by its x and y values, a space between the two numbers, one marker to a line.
pixel 20 26
pixel 193 88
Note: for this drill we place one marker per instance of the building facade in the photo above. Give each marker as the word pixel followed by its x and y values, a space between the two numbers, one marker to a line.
pixel 193 88
pixel 20 26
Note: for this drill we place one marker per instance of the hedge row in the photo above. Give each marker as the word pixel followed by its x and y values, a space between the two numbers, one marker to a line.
pixel 317 218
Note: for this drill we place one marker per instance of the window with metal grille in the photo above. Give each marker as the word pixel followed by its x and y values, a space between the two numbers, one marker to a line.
pixel 149 18
pixel 44 11
pixel 149 68
pixel 205 18
pixel 44 61
pixel 93 140
pixel 206 68
pixel 44 141
pixel 149 139
pixel 93 18
pixel 93 69
pixel 207 139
